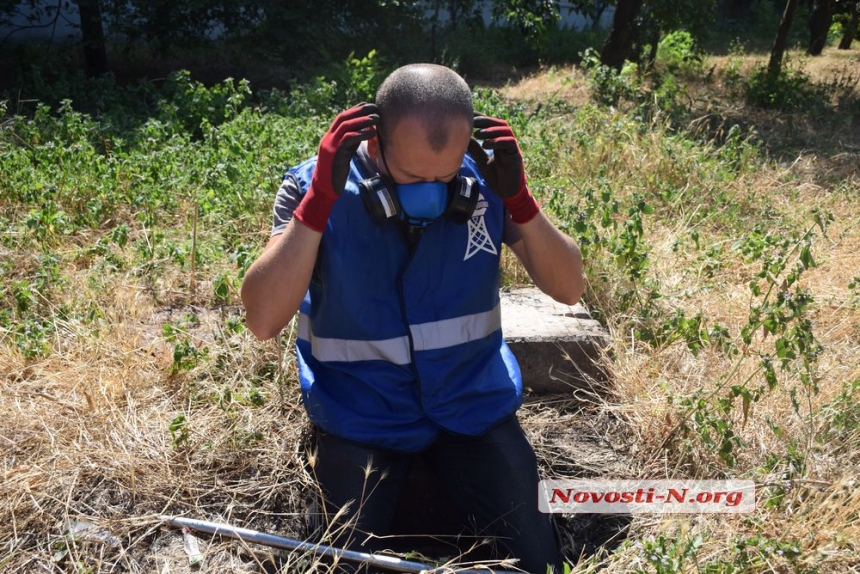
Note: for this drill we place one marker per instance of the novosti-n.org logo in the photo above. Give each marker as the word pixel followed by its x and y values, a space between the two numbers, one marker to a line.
pixel 646 496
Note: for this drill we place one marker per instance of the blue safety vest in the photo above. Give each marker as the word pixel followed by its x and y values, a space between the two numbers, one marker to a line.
pixel 395 344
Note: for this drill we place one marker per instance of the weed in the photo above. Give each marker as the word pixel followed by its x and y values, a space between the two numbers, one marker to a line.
pixel 608 85
pixel 778 310
pixel 665 555
pixel 186 353
pixel 790 90
pixel 733 73
pixel 758 551
pixel 842 416
pixel 679 53
pixel 854 288
pixel 224 285
pixel 191 105
pixel 357 78
pixel 179 431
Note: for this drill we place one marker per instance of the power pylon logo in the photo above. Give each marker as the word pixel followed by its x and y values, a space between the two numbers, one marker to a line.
pixel 479 237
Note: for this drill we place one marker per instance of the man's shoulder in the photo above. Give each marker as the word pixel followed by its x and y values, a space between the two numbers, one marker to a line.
pixel 308 163
pixel 302 172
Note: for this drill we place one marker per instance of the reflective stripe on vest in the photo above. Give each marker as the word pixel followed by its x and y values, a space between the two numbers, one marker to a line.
pixel 425 337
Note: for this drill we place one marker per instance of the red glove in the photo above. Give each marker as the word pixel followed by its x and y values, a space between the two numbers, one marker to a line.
pixel 335 153
pixel 504 171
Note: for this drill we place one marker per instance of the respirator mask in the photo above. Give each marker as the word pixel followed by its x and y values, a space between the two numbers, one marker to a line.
pixel 418 204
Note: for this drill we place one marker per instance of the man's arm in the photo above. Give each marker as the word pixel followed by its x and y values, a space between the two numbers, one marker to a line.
pixel 552 260
pixel 277 281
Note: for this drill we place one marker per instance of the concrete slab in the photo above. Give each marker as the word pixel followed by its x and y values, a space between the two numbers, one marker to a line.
pixel 557 346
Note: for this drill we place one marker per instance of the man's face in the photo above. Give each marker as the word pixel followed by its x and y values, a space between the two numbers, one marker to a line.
pixel 411 159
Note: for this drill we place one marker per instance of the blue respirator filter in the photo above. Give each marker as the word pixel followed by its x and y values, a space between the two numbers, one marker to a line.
pixel 423 202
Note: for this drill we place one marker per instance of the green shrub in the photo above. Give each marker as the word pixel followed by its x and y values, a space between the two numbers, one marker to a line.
pixel 608 85
pixel 790 90
pixel 679 53
pixel 356 79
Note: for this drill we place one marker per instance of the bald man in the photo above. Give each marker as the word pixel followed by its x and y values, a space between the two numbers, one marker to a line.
pixel 387 243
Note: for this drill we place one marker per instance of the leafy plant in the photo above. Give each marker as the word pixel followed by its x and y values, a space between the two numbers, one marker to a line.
pixel 608 85
pixel 179 431
pixel 679 53
pixel 186 354
pixel 792 89
pixel 668 555
pixel 779 310
pixel 357 78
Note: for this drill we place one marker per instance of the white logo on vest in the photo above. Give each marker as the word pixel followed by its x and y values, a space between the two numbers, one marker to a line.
pixel 479 237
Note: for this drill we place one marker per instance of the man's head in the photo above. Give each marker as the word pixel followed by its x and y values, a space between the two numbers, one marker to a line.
pixel 425 123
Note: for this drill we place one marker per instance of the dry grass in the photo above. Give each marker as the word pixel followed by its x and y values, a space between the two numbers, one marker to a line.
pixel 568 83
pixel 819 514
pixel 88 440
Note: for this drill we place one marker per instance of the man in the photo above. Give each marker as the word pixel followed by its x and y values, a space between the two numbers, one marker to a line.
pixel 389 240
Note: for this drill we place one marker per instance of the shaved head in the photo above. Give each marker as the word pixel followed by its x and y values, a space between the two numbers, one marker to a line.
pixel 433 94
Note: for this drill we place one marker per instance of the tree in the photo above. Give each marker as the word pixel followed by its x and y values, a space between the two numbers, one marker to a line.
pixel 850 23
pixel 93 38
pixel 35 13
pixel 774 66
pixel 533 17
pixel 459 12
pixel 619 43
pixel 303 33
pixel 637 23
pixel 819 22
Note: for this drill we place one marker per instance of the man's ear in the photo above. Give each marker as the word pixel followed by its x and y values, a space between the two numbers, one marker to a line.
pixel 373 148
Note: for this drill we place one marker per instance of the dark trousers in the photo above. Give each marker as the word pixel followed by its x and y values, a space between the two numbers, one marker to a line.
pixel 493 477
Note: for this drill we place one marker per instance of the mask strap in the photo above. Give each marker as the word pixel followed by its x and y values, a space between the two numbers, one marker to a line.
pixel 382 155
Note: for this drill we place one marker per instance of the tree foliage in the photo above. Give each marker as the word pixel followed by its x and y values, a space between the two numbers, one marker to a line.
pixel 640 23
pixel 310 35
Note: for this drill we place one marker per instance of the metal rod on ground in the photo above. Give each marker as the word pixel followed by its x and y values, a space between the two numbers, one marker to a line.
pixel 378 560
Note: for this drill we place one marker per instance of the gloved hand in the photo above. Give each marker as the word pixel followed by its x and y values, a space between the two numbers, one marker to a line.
pixel 337 147
pixel 504 171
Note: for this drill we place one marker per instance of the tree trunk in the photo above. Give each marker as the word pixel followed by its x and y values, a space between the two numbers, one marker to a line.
pixel 851 27
pixel 617 47
pixel 774 66
pixel 452 14
pixel 93 36
pixel 820 19
pixel 161 25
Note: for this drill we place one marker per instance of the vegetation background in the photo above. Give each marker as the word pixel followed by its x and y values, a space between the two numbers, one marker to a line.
pixel 715 197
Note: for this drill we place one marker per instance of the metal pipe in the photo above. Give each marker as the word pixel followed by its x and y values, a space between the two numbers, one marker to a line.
pixel 378 560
